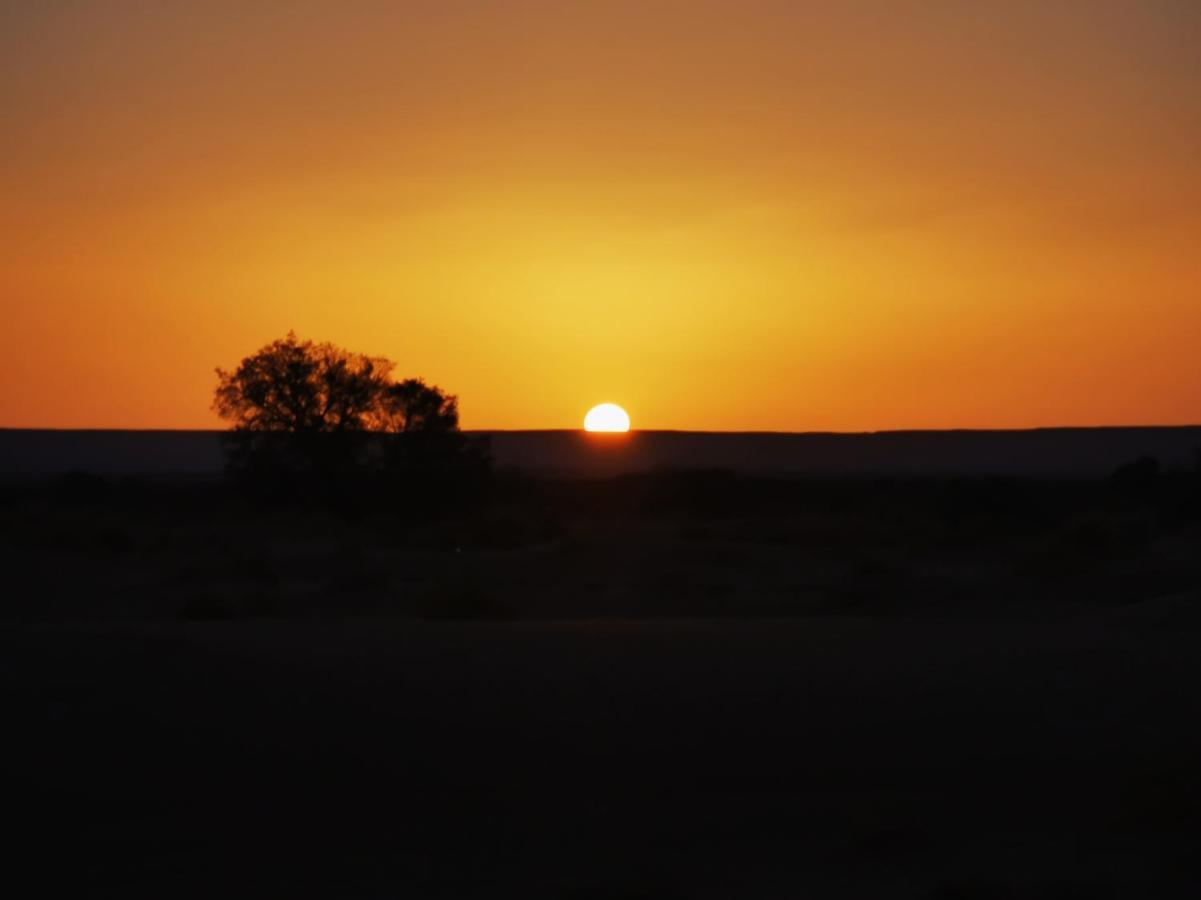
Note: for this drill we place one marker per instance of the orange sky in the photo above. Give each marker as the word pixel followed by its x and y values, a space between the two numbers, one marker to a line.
pixel 752 215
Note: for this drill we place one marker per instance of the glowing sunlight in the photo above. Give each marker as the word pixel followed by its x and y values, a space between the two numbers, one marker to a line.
pixel 607 417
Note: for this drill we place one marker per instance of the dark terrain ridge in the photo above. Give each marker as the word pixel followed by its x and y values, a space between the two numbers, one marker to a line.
pixel 711 684
pixel 1042 452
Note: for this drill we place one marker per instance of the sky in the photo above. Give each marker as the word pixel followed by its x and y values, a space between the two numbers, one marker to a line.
pixel 742 215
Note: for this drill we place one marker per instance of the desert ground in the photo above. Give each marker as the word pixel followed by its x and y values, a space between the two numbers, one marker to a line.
pixel 822 758
pixel 676 684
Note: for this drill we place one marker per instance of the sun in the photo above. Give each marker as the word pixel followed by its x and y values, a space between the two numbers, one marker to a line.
pixel 607 417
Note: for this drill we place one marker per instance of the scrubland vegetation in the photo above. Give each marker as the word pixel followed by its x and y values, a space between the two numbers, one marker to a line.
pixel 684 544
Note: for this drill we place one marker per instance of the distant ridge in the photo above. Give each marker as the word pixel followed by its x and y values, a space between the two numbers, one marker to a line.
pixel 1057 452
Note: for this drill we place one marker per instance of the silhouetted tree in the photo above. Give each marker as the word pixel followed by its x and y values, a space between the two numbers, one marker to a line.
pixel 412 406
pixel 299 408
pixel 301 387
pixel 1137 476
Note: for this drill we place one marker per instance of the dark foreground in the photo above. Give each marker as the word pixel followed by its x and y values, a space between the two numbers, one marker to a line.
pixel 686 759
pixel 626 690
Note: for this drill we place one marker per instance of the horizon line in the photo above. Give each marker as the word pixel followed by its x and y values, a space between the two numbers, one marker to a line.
pixel 580 430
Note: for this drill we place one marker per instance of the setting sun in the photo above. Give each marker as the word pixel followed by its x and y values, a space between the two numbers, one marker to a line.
pixel 607 417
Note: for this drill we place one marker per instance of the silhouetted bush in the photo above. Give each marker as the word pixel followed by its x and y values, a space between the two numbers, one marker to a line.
pixel 1137 476
pixel 459 596
pixel 215 606
pixel 80 488
pixel 1098 536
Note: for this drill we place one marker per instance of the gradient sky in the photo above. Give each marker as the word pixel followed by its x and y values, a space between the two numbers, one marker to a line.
pixel 738 215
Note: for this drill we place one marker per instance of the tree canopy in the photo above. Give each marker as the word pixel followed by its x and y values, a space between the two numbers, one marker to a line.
pixel 304 387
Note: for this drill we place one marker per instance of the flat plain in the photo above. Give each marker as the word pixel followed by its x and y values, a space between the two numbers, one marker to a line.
pixel 673 684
